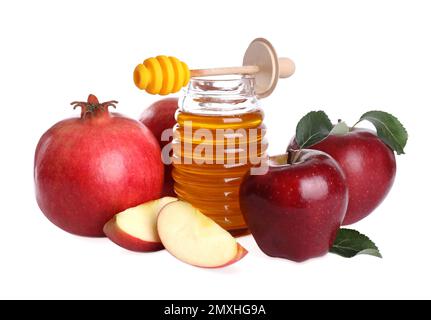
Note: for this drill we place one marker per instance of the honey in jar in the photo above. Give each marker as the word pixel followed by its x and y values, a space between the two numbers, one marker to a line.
pixel 219 136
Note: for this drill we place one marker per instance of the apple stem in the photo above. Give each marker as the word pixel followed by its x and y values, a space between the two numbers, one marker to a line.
pixel 293 156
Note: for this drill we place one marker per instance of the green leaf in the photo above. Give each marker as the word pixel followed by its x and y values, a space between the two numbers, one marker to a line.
pixel 350 243
pixel 312 128
pixel 389 129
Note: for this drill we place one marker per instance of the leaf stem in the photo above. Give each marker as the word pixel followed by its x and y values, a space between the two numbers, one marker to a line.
pixel 357 122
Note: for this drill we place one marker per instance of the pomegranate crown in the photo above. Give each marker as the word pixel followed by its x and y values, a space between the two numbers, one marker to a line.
pixel 93 106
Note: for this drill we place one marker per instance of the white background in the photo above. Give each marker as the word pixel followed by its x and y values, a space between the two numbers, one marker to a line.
pixel 351 56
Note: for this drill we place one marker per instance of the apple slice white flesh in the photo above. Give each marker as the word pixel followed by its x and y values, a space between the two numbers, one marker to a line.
pixel 136 228
pixel 195 239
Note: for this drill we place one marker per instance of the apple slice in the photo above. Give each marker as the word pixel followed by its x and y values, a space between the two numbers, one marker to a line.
pixel 135 228
pixel 195 239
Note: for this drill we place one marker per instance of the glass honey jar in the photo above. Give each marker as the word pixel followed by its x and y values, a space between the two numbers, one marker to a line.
pixel 218 137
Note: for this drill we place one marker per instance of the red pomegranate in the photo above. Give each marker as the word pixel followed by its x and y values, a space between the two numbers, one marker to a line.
pixel 91 167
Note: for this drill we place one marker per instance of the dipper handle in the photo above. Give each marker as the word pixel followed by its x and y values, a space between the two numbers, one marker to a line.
pixel 287 67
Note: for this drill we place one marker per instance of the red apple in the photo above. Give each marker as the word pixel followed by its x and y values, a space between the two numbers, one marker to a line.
pixel 89 168
pixel 295 210
pixel 158 117
pixel 368 164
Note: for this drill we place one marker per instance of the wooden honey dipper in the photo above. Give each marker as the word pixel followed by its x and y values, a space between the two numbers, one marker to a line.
pixel 164 75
